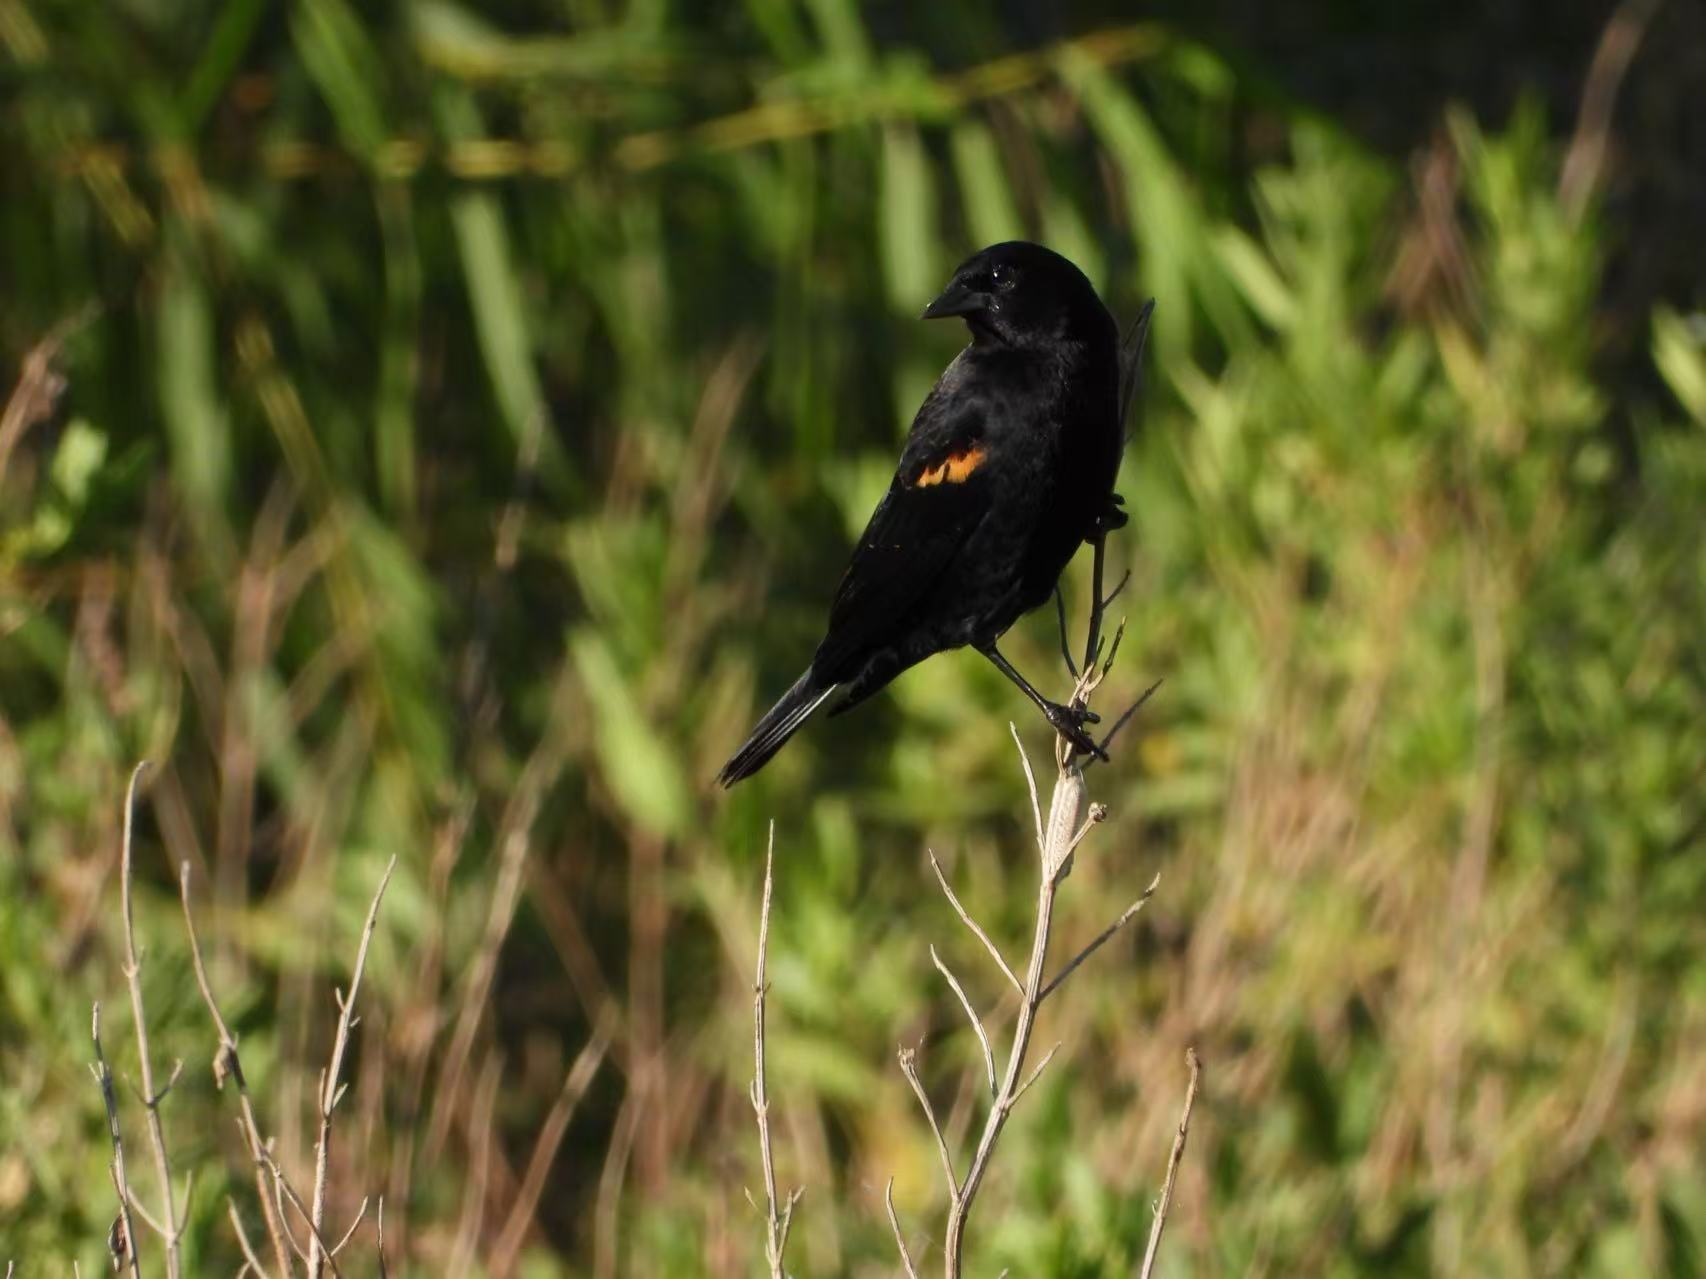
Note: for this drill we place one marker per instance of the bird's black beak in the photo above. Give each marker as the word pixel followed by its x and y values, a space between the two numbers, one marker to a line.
pixel 956 299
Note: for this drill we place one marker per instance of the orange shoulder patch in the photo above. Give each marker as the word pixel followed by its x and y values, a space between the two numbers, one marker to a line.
pixel 956 468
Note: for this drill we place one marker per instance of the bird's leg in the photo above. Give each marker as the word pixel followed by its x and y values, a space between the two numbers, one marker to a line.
pixel 1068 721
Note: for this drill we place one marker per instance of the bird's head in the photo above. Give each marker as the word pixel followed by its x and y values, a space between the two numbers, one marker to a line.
pixel 1020 294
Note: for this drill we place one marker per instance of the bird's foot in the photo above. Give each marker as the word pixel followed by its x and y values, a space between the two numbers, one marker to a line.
pixel 1069 722
pixel 1110 517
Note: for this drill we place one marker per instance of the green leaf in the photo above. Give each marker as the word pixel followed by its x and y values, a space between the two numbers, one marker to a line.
pixel 1254 273
pixel 987 196
pixel 640 769
pixel 1679 351
pixel 190 402
pixel 346 68
pixel 908 214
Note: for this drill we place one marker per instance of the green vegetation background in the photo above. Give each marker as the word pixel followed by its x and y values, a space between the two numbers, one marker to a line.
pixel 465 417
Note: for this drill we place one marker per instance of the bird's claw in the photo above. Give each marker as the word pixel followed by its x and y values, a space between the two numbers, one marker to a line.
pixel 1069 722
pixel 1111 517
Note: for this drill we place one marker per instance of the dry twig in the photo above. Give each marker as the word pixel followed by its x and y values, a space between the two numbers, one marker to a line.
pixel 575 1084
pixel 285 1190
pixel 899 1239
pixel 249 1258
pixel 777 1220
pixel 37 390
pixel 168 1225
pixel 226 1062
pixel 1125 917
pixel 976 928
pixel 972 1017
pixel 1166 1201
pixel 331 1091
pixel 121 1238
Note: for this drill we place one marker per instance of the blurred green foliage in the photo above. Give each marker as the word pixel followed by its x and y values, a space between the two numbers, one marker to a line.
pixel 467 413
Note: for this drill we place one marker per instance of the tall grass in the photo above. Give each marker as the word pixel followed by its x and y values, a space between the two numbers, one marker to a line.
pixel 465 419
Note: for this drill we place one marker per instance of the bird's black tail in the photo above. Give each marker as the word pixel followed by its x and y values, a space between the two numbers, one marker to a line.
pixel 780 723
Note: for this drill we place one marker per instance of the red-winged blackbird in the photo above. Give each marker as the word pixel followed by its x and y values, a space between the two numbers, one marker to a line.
pixel 1009 466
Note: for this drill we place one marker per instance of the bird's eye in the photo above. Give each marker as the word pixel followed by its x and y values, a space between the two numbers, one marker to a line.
pixel 1001 277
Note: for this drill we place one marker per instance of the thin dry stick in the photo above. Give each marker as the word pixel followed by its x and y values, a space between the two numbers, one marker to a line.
pixel 1149 1253
pixel 330 1090
pixel 38 388
pixel 279 1189
pixel 575 1083
pixel 976 928
pixel 1037 1073
pixel 1125 716
pixel 104 1077
pixel 150 1099
pixel 478 1129
pixel 909 1068
pixel 777 1221
pixel 1030 783
pixel 1616 50
pixel 249 1257
pixel 287 1191
pixel 1124 918
pixel 899 1239
pixel 227 1062
pixel 515 840
pixel 971 1016
pixel 360 1216
pixel 148 1219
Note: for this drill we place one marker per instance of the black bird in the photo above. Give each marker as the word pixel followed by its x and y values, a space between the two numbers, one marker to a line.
pixel 1008 467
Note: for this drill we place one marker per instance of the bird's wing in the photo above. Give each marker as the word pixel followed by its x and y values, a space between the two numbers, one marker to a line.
pixel 939 494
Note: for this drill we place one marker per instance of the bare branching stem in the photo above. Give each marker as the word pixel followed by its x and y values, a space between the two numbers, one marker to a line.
pixel 778 1219
pixel 286 1191
pixel 227 1062
pixel 121 1185
pixel 330 1089
pixel 1166 1201
pixel 151 1099
pixel 1063 818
